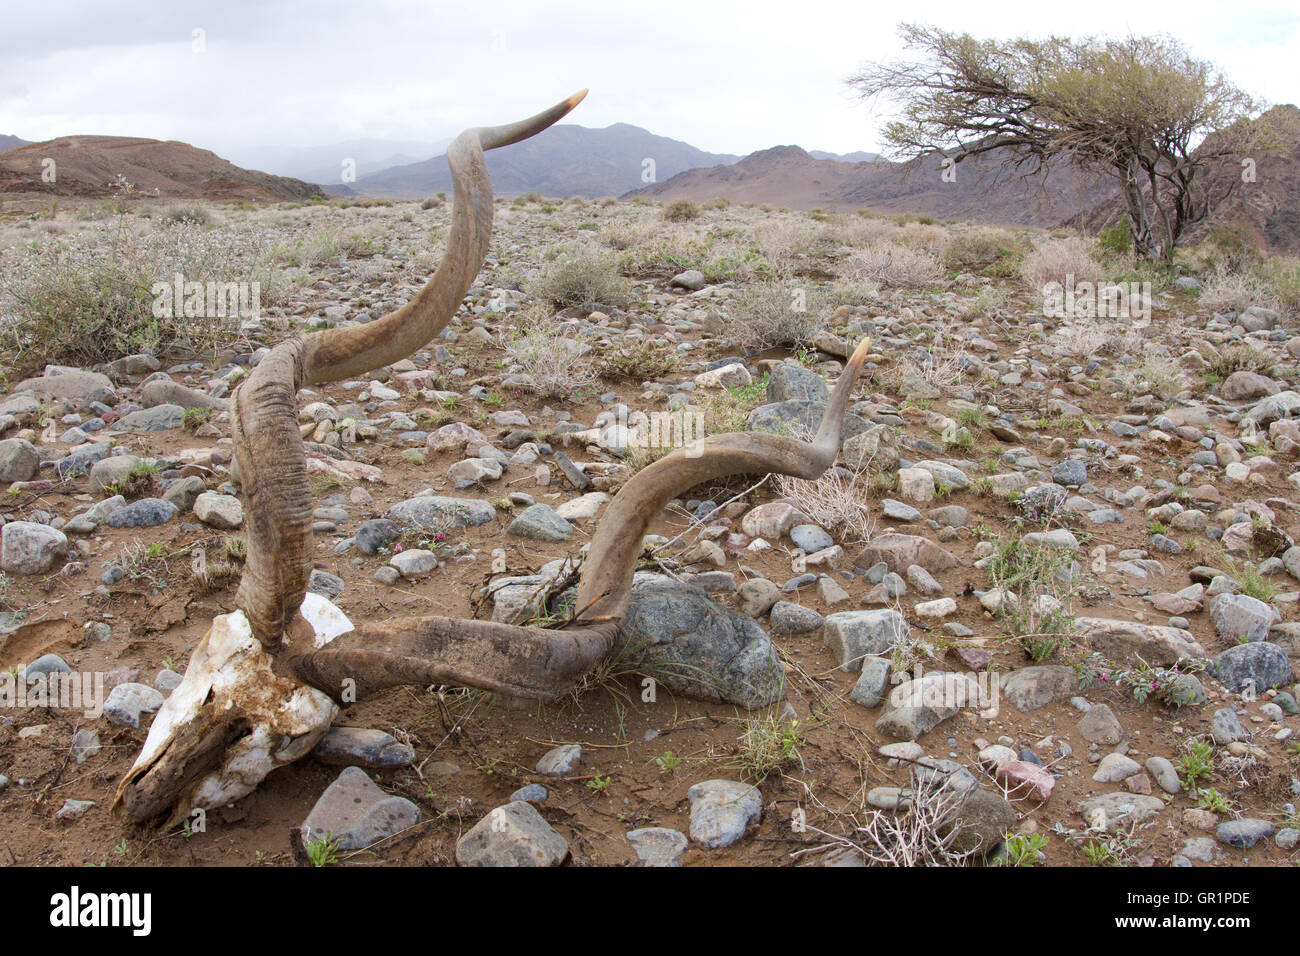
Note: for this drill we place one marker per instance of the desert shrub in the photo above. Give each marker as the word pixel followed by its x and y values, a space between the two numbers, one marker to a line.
pixel 1116 241
pixel 839 499
pixel 187 213
pixel 1036 597
pixel 1226 290
pixel 640 360
pixel 623 234
pixel 979 246
pixel 552 358
pixel 893 264
pixel 583 278
pixel 769 314
pixel 433 202
pixel 1228 247
pixel 681 210
pixel 1282 276
pixel 1097 338
pixel 1240 357
pixel 1062 260
pixel 87 297
pixel 780 241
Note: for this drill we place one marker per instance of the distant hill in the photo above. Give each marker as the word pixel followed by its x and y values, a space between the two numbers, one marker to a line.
pixel 566 160
pixel 88 166
pixel 10 142
pixel 324 164
pixel 981 191
pixel 858 157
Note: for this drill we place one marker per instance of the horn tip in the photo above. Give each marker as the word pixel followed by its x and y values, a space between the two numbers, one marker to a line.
pixel 577 97
pixel 861 352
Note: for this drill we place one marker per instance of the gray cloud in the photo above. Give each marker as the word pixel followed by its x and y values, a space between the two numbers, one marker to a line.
pixel 724 76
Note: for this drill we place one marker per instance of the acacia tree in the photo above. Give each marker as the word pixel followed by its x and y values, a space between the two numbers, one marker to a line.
pixel 1170 127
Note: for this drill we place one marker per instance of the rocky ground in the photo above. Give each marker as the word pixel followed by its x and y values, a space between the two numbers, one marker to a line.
pixel 1043 612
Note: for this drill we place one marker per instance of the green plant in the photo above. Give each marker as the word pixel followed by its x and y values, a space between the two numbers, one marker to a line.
pixel 1210 799
pixel 1109 851
pixel 1196 762
pixel 598 784
pixel 768 314
pixel 323 851
pixel 194 417
pixel 668 762
pixel 1116 241
pixel 554 361
pixel 766 745
pixel 1022 850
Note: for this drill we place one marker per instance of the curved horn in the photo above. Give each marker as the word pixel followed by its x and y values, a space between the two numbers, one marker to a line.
pixel 540 663
pixel 268 447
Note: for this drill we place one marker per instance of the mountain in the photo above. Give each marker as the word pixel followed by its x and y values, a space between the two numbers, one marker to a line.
pixel 1266 211
pixel 88 166
pixel 10 142
pixel 324 164
pixel 980 190
pixel 565 160
pixel 856 157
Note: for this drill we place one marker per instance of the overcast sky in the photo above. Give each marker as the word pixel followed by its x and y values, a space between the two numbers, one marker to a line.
pixel 723 76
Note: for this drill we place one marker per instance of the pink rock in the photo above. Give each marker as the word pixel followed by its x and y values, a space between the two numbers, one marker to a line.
pixel 769 521
pixel 40 485
pixel 1024 777
pixel 976 658
pixel 455 435
pixel 415 380
pixel 1138 783
pixel 737 542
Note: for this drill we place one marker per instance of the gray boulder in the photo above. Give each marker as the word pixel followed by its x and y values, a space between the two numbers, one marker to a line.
pixel 695 647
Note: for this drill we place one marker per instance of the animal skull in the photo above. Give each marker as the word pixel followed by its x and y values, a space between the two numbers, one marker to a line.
pixel 230 682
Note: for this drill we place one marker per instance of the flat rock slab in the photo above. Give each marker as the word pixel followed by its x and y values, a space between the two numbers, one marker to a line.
pixel 160 418
pixel 1110 811
pixel 721 811
pixel 1252 667
pixel 856 635
pixel 126 702
pixel 1127 641
pixel 800 420
pixel 658 846
pixel 81 387
pixel 354 811
pixel 560 761
pixel 1245 833
pixel 1033 687
pixel 433 511
pixel 920 705
pixel 541 523
pixel 512 835
pixel 699 648
pixel 900 551
pixel 362 747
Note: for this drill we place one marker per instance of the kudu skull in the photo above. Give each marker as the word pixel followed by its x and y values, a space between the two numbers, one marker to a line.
pixel 266 681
